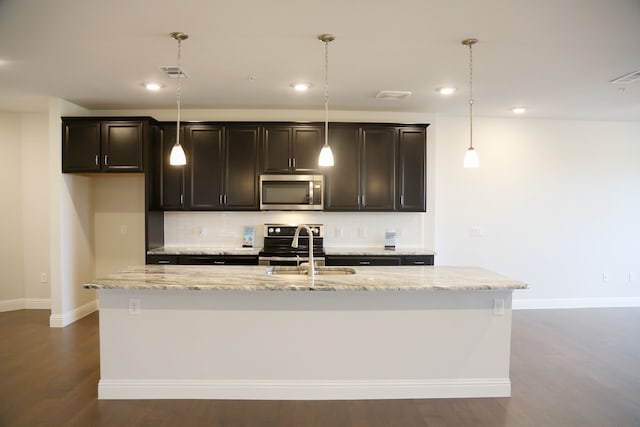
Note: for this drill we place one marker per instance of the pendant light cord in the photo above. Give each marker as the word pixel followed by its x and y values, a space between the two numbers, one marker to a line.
pixel 471 95
pixel 179 94
pixel 326 93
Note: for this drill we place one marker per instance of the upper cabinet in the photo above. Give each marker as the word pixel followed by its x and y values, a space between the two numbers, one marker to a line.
pixel 412 168
pixel 291 148
pixel 104 145
pixel 221 171
pixel 377 168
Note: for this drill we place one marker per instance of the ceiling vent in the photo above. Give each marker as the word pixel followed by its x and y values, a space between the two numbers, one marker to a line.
pixel 392 94
pixel 172 72
pixel 627 78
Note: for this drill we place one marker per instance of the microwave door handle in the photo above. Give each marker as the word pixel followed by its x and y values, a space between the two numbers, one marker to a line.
pixel 311 192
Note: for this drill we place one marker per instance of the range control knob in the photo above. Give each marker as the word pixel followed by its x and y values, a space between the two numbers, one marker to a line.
pixel 270 230
pixel 278 230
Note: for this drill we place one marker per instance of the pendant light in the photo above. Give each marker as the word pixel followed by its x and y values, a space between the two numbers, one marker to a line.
pixel 177 157
pixel 326 155
pixel 471 157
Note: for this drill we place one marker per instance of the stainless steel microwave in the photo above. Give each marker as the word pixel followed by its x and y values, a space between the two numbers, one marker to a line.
pixel 292 192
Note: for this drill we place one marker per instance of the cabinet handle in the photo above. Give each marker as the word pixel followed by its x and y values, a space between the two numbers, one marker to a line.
pixel 181 199
pixel 418 262
pixel 97 157
pixel 106 160
pixel 358 200
pixel 293 163
pixel 225 199
pixel 365 262
pixel 164 262
pixel 219 199
pixel 401 200
pixel 364 200
pixel 218 262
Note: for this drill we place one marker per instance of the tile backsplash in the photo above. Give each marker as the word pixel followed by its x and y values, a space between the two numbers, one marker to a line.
pixel 342 229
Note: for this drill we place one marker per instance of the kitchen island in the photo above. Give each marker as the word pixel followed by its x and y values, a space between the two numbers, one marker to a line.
pixel 189 332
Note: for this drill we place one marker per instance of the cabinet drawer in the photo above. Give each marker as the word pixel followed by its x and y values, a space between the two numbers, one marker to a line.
pixel 417 260
pixel 218 260
pixel 162 259
pixel 349 260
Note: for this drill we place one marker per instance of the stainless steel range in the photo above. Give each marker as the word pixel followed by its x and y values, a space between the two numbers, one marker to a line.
pixel 277 248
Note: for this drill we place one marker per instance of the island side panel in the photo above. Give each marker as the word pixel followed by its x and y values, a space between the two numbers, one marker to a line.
pixel 304 345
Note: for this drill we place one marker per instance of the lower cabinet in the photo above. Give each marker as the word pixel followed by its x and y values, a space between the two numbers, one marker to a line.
pixel 378 260
pixel 203 259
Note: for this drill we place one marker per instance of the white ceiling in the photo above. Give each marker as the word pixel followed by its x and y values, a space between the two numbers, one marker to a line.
pixel 554 57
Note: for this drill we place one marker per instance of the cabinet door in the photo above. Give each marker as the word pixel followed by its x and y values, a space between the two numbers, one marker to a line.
pixel 307 142
pixel 80 146
pixel 122 146
pixel 172 178
pixel 205 145
pixel 343 178
pixel 411 169
pixel 378 160
pixel 276 149
pixel 241 180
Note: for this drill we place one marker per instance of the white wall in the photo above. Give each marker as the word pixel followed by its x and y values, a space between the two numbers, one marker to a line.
pixel 72 261
pixel 35 208
pixel 558 203
pixel 11 250
pixel 118 205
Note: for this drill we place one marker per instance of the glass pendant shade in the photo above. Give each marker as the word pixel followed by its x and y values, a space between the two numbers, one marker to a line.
pixel 177 157
pixel 326 156
pixel 471 159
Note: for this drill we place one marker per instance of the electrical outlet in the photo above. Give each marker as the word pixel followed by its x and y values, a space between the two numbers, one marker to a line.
pixel 605 277
pixel 123 229
pixel 134 306
pixel 633 276
pixel 476 231
pixel 338 233
pixel 43 278
pixel 498 306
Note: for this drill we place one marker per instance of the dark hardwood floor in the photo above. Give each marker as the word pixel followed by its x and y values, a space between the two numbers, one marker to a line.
pixel 568 368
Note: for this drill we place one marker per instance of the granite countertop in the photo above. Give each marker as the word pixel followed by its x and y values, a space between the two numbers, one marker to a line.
pixel 207 250
pixel 254 278
pixel 202 250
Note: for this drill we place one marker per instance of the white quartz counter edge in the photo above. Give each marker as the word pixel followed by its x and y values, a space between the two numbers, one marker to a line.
pixel 254 278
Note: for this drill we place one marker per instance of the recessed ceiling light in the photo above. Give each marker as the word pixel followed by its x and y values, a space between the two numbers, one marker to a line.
pixel 153 86
pixel 518 110
pixel 446 90
pixel 301 86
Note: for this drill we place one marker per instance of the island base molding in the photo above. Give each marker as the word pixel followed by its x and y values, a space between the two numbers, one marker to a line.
pixel 292 345
pixel 304 390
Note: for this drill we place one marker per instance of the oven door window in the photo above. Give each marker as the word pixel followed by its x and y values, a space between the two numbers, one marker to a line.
pixel 285 193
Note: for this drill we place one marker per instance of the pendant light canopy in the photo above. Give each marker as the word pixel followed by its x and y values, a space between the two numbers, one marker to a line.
pixel 326 155
pixel 177 157
pixel 471 157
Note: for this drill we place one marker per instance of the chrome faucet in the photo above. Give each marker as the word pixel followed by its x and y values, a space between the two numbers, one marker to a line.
pixel 294 244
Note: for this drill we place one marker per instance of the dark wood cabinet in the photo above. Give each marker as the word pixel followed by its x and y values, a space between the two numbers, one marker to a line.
pixel 170 180
pixel 377 168
pixel 205 145
pixel 377 260
pixel 291 148
pixel 412 167
pixel 241 178
pixel 363 177
pixel 221 171
pixel 103 145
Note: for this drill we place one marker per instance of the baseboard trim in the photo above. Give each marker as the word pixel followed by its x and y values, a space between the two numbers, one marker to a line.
pixel 551 303
pixel 64 319
pixel 303 390
pixel 12 304
pixel 37 303
pixel 25 303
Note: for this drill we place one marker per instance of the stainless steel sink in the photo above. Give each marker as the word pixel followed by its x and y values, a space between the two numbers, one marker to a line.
pixel 304 270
